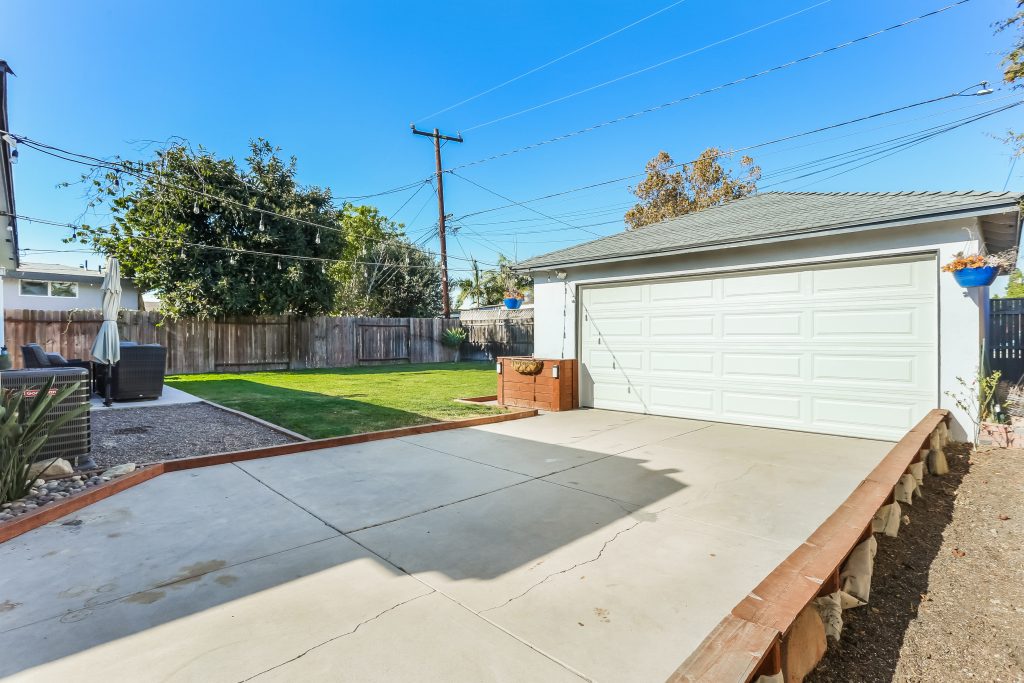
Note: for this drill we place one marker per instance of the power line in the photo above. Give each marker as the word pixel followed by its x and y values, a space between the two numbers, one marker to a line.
pixel 553 61
pixel 873 152
pixel 157 180
pixel 747 148
pixel 646 68
pixel 904 142
pixel 716 88
pixel 218 248
pixel 528 208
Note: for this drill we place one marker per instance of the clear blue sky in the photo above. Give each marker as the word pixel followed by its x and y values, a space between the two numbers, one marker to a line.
pixel 337 84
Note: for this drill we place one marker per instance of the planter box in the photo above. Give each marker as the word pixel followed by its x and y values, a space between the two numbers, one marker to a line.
pixel 543 390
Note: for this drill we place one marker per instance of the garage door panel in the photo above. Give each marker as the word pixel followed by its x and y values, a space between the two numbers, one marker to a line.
pixel 761 285
pixel 905 278
pixel 613 296
pixel 782 323
pixel 849 349
pixel 677 362
pixel 904 370
pixel 670 400
pixel 683 326
pixel 774 365
pixel 769 407
pixel 617 395
pixel 868 322
pixel 610 328
pixel 864 414
pixel 662 293
pixel 623 360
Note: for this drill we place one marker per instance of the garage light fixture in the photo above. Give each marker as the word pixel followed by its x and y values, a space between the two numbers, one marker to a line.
pixel 561 274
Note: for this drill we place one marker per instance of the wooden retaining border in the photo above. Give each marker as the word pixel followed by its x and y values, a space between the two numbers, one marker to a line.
pixel 44 515
pixel 758 636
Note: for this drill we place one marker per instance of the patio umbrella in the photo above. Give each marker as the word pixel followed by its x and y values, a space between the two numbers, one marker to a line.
pixel 107 347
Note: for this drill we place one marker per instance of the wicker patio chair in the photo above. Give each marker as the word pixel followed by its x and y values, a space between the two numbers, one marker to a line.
pixel 138 375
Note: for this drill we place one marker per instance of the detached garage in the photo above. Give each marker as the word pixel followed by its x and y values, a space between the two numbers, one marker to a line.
pixel 806 311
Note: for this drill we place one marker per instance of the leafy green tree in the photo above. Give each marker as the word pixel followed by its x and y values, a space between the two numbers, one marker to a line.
pixel 489 287
pixel 163 206
pixel 383 274
pixel 1013 66
pixel 1015 287
pixel 693 186
pixel 473 287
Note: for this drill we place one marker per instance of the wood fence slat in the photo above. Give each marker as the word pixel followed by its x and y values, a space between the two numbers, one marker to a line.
pixel 242 343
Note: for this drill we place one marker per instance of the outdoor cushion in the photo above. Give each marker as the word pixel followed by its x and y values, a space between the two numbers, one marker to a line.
pixel 35 356
pixel 56 359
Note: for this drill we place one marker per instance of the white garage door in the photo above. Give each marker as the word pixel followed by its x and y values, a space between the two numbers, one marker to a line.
pixel 846 348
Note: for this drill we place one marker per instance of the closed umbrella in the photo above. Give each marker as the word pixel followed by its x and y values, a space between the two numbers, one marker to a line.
pixel 107 347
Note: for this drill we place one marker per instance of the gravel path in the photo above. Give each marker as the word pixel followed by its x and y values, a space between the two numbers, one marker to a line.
pixel 946 595
pixel 143 435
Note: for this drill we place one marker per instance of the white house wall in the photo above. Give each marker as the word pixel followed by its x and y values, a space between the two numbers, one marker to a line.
pixel 961 315
pixel 89 296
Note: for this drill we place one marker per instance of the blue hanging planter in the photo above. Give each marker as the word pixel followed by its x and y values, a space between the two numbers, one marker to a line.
pixel 976 277
pixel 511 303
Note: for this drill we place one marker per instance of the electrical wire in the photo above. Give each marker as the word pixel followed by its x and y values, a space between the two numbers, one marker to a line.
pixel 747 148
pixel 553 61
pixel 236 250
pixel 528 208
pixel 744 79
pixel 646 68
pixel 155 179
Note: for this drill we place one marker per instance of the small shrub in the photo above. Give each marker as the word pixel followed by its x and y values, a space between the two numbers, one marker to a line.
pixel 977 398
pixel 454 336
pixel 24 429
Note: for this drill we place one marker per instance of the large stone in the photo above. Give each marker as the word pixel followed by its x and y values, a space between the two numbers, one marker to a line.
pixel 119 470
pixel 53 467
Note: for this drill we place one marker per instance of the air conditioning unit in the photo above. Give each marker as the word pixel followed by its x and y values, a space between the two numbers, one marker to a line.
pixel 73 440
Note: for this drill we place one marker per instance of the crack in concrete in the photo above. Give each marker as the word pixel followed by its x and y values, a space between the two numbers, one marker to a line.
pixel 339 636
pixel 568 569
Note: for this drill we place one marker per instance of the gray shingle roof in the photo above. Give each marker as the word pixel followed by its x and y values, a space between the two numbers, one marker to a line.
pixel 775 215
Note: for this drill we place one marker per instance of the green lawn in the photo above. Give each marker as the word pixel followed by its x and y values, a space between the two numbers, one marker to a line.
pixel 338 401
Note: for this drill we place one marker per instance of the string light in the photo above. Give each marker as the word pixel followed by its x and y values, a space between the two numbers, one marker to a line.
pixel 229 250
pixel 261 222
pixel 195 207
pixel 318 235
pixel 279 264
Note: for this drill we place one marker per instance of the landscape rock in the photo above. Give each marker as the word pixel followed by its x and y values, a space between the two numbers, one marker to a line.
pixel 52 467
pixel 119 470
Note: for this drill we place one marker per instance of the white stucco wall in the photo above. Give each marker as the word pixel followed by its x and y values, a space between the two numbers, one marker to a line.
pixel 89 297
pixel 962 313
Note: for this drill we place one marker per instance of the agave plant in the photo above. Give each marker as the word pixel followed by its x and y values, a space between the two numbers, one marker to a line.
pixel 453 338
pixel 24 428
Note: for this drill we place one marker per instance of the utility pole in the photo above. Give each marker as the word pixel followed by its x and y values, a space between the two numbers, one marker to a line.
pixel 446 305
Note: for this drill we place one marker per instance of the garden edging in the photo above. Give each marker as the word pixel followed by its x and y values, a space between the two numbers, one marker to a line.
pixel 44 515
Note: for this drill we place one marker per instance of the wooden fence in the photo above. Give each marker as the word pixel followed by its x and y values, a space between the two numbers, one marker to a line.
pixel 1006 338
pixel 497 332
pixel 236 344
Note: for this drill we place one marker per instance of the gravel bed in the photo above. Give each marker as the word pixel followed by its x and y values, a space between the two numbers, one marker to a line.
pixel 46 492
pixel 142 435
pixel 946 601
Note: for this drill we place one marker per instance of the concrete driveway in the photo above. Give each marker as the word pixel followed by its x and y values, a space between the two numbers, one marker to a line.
pixel 587 545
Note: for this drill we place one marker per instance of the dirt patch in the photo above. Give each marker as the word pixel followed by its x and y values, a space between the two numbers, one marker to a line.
pixel 142 435
pixel 946 595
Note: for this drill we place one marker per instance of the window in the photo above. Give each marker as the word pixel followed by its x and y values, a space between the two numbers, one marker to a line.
pixel 34 288
pixel 68 290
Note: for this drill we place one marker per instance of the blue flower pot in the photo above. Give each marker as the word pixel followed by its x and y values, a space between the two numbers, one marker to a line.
pixel 512 303
pixel 976 277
